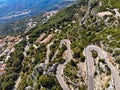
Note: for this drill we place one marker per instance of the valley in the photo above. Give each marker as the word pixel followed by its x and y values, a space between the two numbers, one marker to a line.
pixel 22 9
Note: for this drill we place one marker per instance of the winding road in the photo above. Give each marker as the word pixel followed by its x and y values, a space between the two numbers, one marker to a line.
pixel 91 69
pixel 89 63
pixel 59 73
pixel 48 52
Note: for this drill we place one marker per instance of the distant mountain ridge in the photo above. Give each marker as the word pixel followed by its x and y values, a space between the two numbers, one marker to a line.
pixel 15 9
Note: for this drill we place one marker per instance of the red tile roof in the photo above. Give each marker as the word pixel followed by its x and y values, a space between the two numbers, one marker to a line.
pixel 41 37
pixel 2 72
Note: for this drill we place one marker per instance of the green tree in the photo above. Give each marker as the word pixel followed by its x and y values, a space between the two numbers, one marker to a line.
pixel 8 85
pixel 47 81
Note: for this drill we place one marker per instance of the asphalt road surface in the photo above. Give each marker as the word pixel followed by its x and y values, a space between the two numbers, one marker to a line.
pixel 59 73
pixel 91 70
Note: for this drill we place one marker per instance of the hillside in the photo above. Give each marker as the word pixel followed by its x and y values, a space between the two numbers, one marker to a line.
pixel 76 48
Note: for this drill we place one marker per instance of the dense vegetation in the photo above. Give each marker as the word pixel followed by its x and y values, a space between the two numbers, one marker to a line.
pixel 112 3
pixel 67 21
pixel 14 66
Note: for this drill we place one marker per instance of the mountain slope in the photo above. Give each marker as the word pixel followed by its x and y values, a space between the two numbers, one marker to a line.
pixel 53 56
